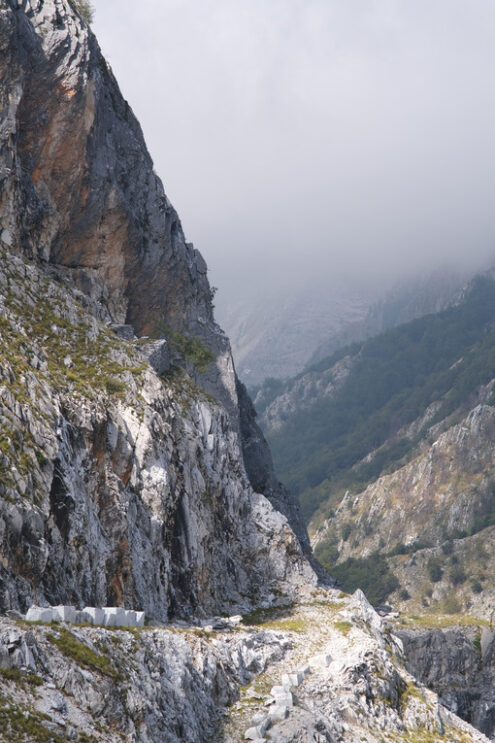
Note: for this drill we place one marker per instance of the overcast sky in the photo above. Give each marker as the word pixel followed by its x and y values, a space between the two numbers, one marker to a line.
pixel 315 137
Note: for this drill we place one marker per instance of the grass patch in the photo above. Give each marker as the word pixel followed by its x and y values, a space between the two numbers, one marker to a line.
pixel 343 626
pixel 13 674
pixel 21 724
pixel 114 386
pixel 82 654
pixel 294 624
pixel 442 621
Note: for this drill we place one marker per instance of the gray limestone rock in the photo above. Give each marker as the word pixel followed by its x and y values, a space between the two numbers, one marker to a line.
pixel 450 662
pixel 103 226
pixel 156 354
pixel 126 332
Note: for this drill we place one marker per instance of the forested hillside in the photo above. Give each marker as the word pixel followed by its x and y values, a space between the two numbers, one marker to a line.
pixel 345 437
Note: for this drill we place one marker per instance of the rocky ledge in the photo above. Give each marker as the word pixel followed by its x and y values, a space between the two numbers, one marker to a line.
pixel 324 670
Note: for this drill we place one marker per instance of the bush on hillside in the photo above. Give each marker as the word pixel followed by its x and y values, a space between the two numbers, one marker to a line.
pixel 434 567
pixel 371 575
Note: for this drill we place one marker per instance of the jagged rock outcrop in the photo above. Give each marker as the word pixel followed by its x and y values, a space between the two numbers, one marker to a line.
pixel 459 665
pixel 223 681
pixel 118 486
pixel 166 685
pixel 77 189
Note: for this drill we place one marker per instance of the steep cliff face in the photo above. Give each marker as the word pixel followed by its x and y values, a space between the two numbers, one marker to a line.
pixel 458 663
pixel 77 189
pixel 118 485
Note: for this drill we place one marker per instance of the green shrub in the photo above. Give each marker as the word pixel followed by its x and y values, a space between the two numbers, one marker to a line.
pixel 477 644
pixel 435 571
pixel 42 460
pixel 13 674
pixel 451 605
pixel 114 386
pixel 190 347
pixel 327 552
pixel 476 586
pixel 457 575
pixel 372 575
pixel 20 724
pixel 346 531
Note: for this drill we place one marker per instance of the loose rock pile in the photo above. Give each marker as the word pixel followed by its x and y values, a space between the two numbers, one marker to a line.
pixel 107 616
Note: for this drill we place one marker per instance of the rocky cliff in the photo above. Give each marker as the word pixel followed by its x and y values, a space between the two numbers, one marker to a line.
pixel 458 664
pixel 431 520
pixel 119 485
pixel 321 671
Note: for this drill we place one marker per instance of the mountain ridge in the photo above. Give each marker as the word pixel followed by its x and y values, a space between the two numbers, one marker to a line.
pixel 130 461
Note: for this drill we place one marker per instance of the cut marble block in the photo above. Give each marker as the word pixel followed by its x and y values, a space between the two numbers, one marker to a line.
pixel 97 615
pixel 64 613
pixel 292 679
pixel 39 614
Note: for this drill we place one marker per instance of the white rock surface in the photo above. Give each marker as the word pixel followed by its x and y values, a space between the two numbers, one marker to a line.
pixel 292 679
pixel 39 614
pixel 277 713
pixel 322 660
pixel 64 613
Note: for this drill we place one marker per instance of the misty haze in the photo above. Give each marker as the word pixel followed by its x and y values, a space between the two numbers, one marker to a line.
pixel 315 148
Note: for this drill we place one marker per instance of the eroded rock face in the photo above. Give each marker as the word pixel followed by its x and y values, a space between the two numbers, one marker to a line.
pixel 431 519
pixel 119 487
pixel 459 665
pixel 122 510
pixel 77 188
pixel 80 168
pixel 326 670
pixel 152 686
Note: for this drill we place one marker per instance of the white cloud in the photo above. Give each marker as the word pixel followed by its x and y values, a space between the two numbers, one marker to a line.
pixel 319 134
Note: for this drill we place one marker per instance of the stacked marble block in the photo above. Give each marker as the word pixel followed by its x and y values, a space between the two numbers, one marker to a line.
pixel 107 616
pixel 281 700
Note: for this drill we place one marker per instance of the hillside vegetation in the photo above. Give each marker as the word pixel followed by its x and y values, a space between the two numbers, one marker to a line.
pixel 325 447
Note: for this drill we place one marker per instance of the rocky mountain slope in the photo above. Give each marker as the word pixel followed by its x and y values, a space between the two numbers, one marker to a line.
pixel 118 485
pixel 106 476
pixel 362 412
pixel 278 331
pixel 327 669
pixel 391 445
pixel 429 524
pixel 132 472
